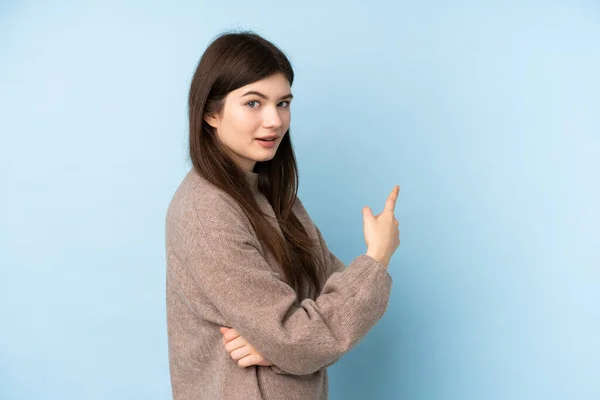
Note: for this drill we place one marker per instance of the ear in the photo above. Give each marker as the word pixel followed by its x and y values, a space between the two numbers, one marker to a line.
pixel 211 120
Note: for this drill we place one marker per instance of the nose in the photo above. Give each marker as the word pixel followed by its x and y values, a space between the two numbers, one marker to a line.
pixel 271 118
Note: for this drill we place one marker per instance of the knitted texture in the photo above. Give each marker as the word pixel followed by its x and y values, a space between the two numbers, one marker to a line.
pixel 217 275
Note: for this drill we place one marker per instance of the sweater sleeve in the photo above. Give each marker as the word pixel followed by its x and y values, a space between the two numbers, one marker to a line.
pixel 333 265
pixel 224 259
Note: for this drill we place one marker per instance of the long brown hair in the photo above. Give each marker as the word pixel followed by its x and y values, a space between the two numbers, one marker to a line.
pixel 231 61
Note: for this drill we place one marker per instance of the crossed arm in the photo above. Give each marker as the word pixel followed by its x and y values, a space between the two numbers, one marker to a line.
pixel 246 355
pixel 224 259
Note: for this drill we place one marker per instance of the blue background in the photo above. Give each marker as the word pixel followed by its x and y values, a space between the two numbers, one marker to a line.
pixel 486 114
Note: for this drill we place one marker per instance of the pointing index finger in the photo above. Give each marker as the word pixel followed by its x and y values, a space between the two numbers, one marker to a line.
pixel 390 203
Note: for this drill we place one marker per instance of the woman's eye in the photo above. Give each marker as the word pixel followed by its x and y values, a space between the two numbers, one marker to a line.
pixel 251 103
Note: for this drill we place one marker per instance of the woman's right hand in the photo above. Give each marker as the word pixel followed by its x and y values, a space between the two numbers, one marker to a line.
pixel 382 234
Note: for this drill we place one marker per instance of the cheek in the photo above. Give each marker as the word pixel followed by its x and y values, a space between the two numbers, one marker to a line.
pixel 286 117
pixel 244 121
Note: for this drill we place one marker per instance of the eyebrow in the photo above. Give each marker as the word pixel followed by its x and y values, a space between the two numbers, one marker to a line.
pixel 259 94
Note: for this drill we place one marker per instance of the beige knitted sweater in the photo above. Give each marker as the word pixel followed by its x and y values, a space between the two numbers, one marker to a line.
pixel 217 275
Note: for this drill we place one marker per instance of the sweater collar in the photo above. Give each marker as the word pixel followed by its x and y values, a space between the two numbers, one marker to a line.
pixel 252 179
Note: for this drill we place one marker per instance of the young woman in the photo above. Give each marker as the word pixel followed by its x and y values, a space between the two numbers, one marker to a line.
pixel 257 306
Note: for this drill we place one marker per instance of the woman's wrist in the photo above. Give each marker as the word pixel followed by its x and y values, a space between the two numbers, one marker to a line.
pixel 377 257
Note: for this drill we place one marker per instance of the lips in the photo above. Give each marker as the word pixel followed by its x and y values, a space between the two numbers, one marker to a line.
pixel 271 137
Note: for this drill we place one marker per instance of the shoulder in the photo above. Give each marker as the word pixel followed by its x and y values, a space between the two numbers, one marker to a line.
pixel 198 202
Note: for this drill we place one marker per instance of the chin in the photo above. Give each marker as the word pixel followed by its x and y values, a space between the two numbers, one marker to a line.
pixel 265 158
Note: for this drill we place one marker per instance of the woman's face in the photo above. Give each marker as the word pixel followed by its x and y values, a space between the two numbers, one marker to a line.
pixel 259 109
